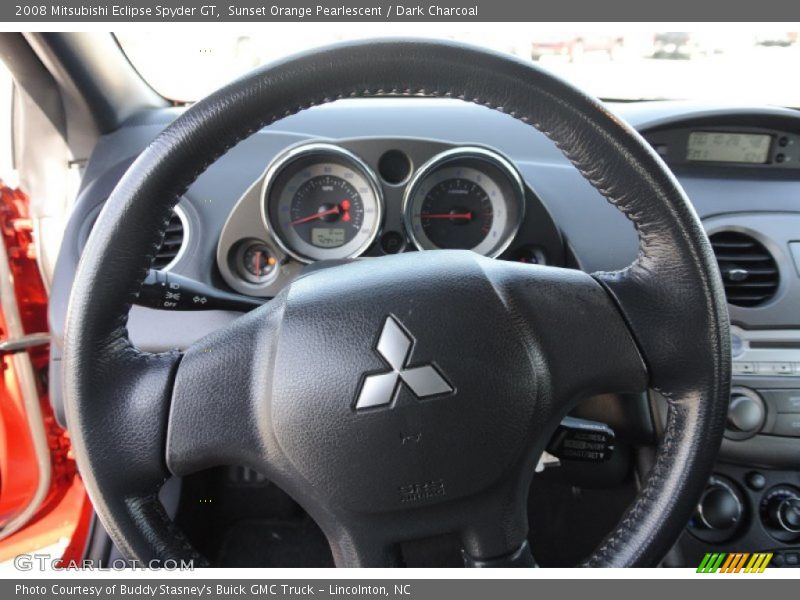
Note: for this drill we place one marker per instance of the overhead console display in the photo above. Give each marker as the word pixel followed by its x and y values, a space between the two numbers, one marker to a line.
pixel 718 146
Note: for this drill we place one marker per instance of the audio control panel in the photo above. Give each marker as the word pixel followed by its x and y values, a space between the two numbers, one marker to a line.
pixel 744 507
pixel 765 396
pixel 782 369
pixel 763 411
pixel 769 353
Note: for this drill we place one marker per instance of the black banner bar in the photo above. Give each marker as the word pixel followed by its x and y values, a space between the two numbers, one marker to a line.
pixel 175 11
pixel 70 588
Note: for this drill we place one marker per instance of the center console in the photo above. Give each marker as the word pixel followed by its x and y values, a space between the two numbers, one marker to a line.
pixel 752 501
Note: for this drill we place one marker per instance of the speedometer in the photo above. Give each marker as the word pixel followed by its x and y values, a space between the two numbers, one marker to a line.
pixel 465 198
pixel 322 202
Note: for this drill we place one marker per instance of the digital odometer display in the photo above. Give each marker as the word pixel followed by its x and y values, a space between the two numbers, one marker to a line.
pixel 328 237
pixel 713 146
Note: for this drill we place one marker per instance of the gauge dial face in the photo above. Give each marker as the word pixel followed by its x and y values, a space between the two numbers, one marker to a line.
pixel 258 262
pixel 324 207
pixel 466 203
pixel 255 261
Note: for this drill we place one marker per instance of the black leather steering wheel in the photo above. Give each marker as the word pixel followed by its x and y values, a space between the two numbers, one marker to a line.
pixel 539 340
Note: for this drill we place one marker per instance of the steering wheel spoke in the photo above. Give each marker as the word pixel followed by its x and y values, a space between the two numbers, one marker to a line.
pixel 217 414
pixel 137 414
pixel 362 542
pixel 575 328
pixel 492 527
pixel 495 535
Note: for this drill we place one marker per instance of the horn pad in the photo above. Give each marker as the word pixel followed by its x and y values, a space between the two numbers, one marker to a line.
pixel 403 383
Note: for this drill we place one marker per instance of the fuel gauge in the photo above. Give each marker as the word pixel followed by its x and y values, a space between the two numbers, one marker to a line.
pixel 256 262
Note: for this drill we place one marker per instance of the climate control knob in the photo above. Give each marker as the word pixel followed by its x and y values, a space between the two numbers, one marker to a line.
pixel 719 508
pixel 784 513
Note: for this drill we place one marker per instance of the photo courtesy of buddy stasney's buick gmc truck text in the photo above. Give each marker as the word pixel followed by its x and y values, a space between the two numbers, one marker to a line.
pixel 212 590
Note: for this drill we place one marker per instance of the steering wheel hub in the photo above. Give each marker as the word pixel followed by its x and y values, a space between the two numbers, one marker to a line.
pixel 456 387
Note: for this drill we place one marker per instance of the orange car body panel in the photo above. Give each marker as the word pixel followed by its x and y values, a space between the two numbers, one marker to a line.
pixel 60 512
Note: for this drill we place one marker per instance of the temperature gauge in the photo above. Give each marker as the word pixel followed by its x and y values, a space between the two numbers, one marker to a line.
pixel 256 262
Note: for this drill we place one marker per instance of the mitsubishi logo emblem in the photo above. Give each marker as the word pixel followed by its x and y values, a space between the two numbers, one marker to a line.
pixel 394 346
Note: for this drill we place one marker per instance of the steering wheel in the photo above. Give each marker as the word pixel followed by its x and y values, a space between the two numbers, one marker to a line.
pixel 406 396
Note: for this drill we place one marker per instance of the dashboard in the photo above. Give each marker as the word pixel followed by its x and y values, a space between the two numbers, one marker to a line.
pixel 363 178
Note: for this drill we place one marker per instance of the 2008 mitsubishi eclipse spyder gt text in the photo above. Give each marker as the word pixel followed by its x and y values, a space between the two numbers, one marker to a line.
pixel 403 302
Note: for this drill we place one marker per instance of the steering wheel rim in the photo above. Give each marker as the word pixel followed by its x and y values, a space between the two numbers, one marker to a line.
pixel 131 414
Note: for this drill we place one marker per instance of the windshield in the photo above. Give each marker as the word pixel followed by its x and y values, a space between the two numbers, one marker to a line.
pixel 734 65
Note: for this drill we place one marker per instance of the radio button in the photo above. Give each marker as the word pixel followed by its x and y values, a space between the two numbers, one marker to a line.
pixel 743 368
pixel 774 368
pixel 782 401
pixel 786 425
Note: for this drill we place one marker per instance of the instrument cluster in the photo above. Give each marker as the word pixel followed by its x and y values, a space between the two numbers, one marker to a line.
pixel 328 202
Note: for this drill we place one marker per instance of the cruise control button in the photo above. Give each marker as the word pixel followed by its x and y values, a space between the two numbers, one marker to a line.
pixel 782 401
pixel 786 425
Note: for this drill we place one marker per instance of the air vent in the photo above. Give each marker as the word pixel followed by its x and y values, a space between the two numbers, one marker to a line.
pixel 172 244
pixel 749 272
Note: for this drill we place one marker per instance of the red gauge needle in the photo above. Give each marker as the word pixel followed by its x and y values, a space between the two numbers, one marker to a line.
pixel 315 216
pixel 467 215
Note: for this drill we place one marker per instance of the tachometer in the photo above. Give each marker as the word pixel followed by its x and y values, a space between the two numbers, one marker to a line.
pixel 465 198
pixel 322 202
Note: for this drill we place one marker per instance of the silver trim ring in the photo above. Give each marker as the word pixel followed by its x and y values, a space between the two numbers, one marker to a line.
pixel 293 154
pixel 475 152
pixel 238 268
pixel 707 491
pixel 773 248
pixel 781 520
pixel 186 237
pixel 94 214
